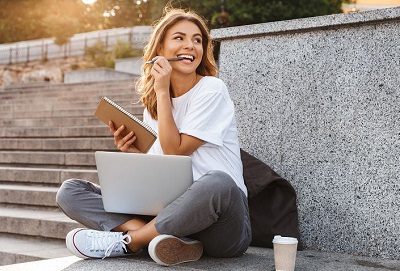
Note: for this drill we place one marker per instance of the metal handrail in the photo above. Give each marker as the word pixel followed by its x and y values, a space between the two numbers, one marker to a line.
pixel 45 49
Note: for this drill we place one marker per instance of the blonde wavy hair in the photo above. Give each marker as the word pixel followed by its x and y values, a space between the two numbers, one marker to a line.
pixel 207 67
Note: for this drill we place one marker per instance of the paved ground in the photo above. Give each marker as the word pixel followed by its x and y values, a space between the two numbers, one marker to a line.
pixel 254 259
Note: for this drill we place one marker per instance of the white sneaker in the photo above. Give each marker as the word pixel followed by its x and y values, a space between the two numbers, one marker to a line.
pixel 86 243
pixel 170 250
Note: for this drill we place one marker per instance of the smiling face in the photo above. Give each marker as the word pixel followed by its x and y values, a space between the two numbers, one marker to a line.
pixel 183 39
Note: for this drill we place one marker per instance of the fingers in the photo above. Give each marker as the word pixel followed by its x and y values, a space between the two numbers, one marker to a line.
pixel 155 58
pixel 161 72
pixel 122 141
pixel 162 64
pixel 157 69
pixel 125 143
pixel 128 143
pixel 119 130
pixel 112 127
pixel 116 134
pixel 160 61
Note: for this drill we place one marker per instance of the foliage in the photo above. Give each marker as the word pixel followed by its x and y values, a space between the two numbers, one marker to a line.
pixel 102 57
pixel 61 28
pixel 20 20
pixel 125 49
pixel 99 55
pixel 33 19
pixel 259 11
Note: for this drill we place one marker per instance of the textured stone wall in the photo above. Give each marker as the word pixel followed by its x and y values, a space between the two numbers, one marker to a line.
pixel 51 71
pixel 318 99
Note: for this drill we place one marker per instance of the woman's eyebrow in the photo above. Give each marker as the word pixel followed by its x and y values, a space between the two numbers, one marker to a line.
pixel 184 34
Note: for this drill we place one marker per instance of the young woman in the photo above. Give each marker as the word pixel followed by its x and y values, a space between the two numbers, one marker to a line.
pixel 193 115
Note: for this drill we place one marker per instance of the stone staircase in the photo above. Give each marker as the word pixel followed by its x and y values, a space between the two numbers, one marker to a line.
pixel 49 134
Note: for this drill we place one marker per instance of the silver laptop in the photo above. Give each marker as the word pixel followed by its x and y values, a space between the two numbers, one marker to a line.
pixel 143 184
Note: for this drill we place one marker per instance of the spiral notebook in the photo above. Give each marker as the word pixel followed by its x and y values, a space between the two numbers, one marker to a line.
pixel 108 110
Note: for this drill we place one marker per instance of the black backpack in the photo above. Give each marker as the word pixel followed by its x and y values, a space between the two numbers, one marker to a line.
pixel 272 203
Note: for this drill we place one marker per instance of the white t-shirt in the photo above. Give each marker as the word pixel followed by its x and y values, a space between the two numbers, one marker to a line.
pixel 207 112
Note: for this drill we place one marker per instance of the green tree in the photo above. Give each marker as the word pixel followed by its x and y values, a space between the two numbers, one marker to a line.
pixel 33 19
pixel 260 11
pixel 123 49
pixel 20 20
pixel 61 27
pixel 99 55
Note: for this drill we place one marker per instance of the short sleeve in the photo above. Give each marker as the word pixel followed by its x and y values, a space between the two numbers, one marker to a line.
pixel 145 115
pixel 149 120
pixel 208 117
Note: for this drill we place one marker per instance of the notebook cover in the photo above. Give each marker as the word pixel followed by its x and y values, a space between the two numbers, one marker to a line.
pixel 144 138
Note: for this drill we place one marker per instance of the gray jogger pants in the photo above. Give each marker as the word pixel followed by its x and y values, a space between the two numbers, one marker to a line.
pixel 213 210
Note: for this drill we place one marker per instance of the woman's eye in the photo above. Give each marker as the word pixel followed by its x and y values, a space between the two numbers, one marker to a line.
pixel 198 40
pixel 178 38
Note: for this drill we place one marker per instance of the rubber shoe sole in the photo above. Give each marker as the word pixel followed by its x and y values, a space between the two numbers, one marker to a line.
pixel 69 241
pixel 169 250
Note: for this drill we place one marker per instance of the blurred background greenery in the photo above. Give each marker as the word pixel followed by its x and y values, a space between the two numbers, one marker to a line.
pixel 34 19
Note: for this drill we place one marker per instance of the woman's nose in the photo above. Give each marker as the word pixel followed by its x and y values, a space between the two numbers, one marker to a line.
pixel 189 44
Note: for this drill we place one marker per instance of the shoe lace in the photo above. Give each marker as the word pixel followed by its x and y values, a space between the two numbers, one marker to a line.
pixel 111 240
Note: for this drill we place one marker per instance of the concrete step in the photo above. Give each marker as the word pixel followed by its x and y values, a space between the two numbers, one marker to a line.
pixel 30 132
pixel 16 248
pixel 43 222
pixel 64 89
pixel 28 194
pixel 45 175
pixel 100 130
pixel 49 122
pixel 117 94
pixel 62 112
pixel 54 144
pixel 47 158
pixel 47 85
pixel 255 258
pixel 38 99
pixel 63 105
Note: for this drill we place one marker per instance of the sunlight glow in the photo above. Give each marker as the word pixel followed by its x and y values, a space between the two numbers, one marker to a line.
pixel 139 2
pixel 108 14
pixel 88 2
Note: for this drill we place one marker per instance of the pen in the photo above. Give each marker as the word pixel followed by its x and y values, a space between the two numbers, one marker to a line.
pixel 169 59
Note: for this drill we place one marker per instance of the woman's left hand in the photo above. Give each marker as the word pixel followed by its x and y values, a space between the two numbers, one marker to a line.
pixel 161 71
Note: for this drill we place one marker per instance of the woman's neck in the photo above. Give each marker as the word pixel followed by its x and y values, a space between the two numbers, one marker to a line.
pixel 180 84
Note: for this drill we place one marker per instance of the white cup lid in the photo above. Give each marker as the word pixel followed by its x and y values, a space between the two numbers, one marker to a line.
pixel 284 240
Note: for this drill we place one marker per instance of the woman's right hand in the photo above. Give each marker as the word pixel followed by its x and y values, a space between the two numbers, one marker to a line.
pixel 124 144
pixel 161 71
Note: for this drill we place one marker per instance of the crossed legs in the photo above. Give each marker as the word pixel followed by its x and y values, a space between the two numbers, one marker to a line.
pixel 213 210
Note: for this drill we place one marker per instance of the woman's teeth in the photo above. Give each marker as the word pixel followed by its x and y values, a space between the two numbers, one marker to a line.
pixel 188 57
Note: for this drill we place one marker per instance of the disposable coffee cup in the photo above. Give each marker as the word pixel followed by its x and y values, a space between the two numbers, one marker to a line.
pixel 285 249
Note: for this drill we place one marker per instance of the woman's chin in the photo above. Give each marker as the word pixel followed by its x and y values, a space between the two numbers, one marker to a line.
pixel 185 70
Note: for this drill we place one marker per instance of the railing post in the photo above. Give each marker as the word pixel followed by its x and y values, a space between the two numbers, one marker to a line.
pixel 42 50
pixel 44 56
pixel 85 46
pixel 16 53
pixel 10 57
